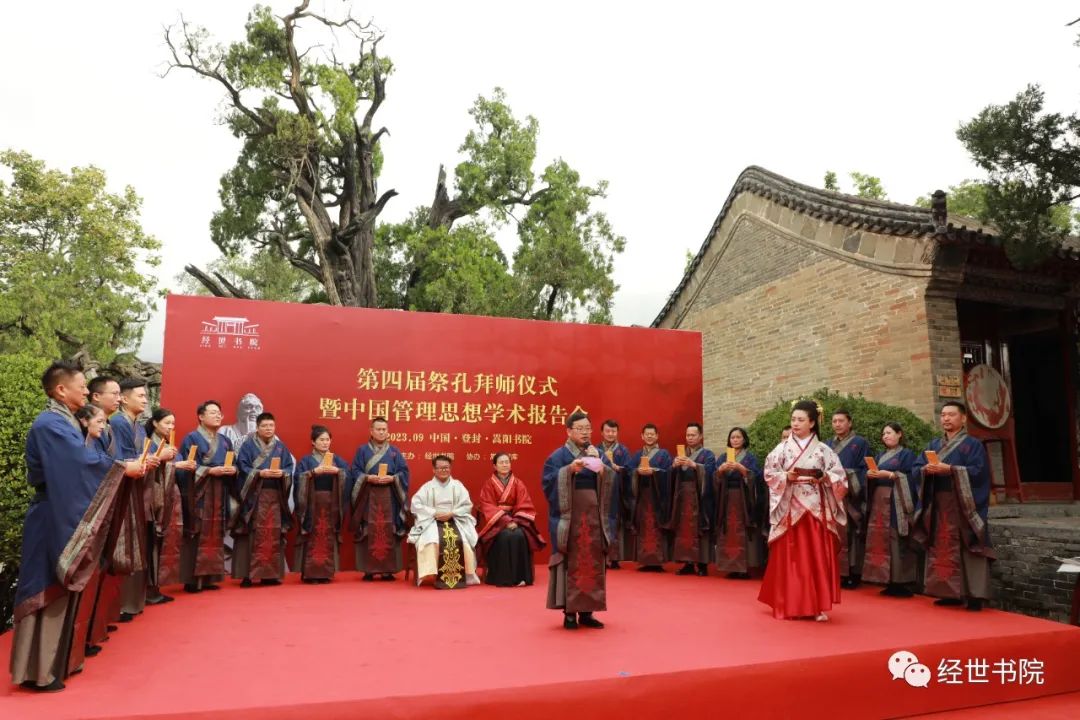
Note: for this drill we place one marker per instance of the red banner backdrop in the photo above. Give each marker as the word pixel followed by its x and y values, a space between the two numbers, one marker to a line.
pixel 462 385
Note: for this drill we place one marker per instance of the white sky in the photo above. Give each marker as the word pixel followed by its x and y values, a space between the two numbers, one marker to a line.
pixel 669 102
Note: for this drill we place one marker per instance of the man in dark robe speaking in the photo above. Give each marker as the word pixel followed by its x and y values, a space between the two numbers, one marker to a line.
pixel 581 493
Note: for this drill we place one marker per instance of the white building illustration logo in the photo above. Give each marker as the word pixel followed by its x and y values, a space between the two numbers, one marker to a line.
pixel 236 333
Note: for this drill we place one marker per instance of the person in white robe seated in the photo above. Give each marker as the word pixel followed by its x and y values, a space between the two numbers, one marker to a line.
pixel 444 530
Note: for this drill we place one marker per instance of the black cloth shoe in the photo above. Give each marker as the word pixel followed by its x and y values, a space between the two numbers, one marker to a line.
pixel 270 581
pixel 899 591
pixel 847 583
pixel 246 582
pixel 702 570
pixel 192 588
pixel 324 581
pixel 974 604
pixel 309 581
pixel 739 575
pixel 650 568
pixel 111 628
pixel 569 621
pixel 387 577
pixel 368 577
pixel 211 586
pixel 587 620
pixel 613 565
pixel 687 569
pixel 126 617
pixel 92 650
pixel 948 602
pixel 54 686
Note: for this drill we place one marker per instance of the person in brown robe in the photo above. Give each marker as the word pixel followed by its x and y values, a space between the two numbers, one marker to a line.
pixel 582 501
pixel 164 507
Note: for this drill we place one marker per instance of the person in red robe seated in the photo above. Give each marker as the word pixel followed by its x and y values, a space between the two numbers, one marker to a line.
pixel 807 485
pixel 507 522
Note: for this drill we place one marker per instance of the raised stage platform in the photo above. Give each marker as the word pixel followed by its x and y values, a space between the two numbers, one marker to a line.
pixel 674 647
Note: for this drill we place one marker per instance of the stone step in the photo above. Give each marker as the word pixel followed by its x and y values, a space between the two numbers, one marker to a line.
pixel 1034 510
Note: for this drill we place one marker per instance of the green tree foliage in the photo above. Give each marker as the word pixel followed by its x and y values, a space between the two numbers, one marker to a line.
pixel 458 269
pixel 868 416
pixel 21 400
pixel 74 262
pixel 304 185
pixel 565 256
pixel 865 186
pixel 1032 158
pixel 969 199
pixel 567 253
pixel 868 186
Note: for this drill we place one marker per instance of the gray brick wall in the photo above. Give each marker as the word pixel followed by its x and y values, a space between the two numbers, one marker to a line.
pixel 1025 574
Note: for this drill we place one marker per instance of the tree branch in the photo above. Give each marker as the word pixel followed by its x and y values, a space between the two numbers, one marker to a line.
pixel 198 65
pixel 296 89
pixel 354 26
pixel 444 211
pixel 207 282
pixel 550 305
pixel 526 199
pixel 369 215
pixel 236 292
pixel 380 86
pixel 294 258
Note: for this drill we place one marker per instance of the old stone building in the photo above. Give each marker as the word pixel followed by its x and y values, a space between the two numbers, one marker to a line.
pixel 797 288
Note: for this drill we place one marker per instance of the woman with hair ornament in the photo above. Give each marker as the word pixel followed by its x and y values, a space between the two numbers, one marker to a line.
pixel 807 485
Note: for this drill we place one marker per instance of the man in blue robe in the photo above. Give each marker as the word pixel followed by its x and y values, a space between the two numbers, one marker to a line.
pixel 617 456
pixel 951 517
pixel 263 517
pixel 130 437
pixel 693 505
pixel 103 591
pixel 105 393
pixel 204 490
pixel 378 498
pixel 581 493
pixel 650 502
pixel 63 534
pixel 852 450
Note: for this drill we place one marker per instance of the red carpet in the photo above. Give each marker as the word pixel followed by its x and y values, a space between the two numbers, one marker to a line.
pixel 673 646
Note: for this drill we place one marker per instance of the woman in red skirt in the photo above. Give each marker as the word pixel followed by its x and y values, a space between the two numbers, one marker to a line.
pixel 807 485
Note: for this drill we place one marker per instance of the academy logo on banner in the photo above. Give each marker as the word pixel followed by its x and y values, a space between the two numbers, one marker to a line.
pixel 229 333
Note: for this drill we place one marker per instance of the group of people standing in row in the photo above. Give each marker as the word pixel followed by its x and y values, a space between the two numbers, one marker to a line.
pixel 816 516
pixel 97 547
pixel 121 510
